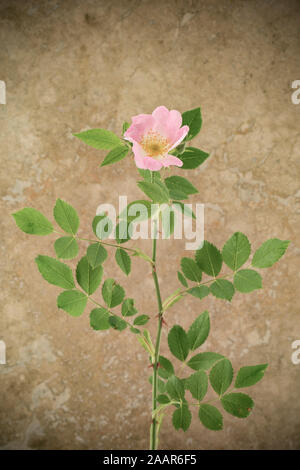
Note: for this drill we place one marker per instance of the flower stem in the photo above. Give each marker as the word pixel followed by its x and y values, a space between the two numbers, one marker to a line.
pixel 154 425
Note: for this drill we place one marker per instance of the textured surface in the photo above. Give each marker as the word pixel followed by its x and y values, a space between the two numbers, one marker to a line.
pixel 71 65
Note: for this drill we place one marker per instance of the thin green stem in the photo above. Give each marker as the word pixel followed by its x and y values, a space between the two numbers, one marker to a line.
pixel 154 425
pixel 115 245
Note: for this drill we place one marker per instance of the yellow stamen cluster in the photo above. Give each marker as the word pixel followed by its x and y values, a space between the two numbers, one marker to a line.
pixel 154 144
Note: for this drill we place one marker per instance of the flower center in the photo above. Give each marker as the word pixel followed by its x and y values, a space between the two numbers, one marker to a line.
pixel 155 144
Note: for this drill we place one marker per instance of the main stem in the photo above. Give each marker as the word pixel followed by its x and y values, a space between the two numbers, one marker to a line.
pixel 153 429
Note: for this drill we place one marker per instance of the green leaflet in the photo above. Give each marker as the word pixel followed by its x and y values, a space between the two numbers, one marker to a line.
pixel 236 251
pixel 209 259
pixel 204 360
pixel 222 289
pixel 96 254
pixel 175 388
pixel 115 155
pixel 249 375
pixel 88 278
pixel 112 293
pixel 99 319
pixel 221 376
pixel 178 342
pixel 237 404
pixel 165 369
pixel 123 260
pixel 197 384
pixel 269 252
pixel 146 175
pixel 163 399
pixel 156 192
pixel 128 308
pixel 99 139
pixel 66 247
pixel 211 417
pixel 102 226
pixel 192 158
pixel 136 331
pixel 117 323
pixel 141 320
pixel 199 291
pixel 32 221
pixel 179 187
pixel 193 119
pixel 66 216
pixel 199 331
pixel 191 269
pixel 72 301
pixel 55 272
pixel 182 417
pixel 182 279
pixel 123 231
pixel 247 280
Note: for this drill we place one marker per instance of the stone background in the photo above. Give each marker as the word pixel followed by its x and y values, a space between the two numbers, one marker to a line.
pixel 71 65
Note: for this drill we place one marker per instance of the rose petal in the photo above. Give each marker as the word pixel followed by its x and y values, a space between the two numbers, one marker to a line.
pixel 172 125
pixel 171 160
pixel 176 118
pixel 167 123
pixel 161 113
pixel 139 154
pixel 183 131
pixel 140 126
pixel 152 164
pixel 144 162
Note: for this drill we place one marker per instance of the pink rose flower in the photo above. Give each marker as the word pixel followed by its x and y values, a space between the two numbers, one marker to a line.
pixel 154 135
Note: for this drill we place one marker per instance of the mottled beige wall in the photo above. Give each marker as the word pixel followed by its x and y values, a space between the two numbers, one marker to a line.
pixel 69 65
